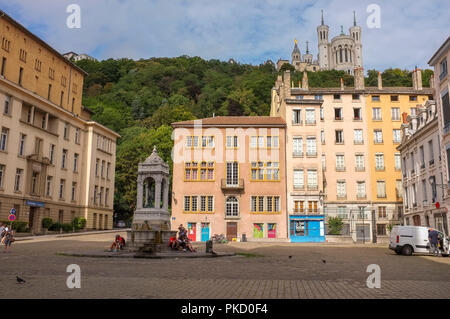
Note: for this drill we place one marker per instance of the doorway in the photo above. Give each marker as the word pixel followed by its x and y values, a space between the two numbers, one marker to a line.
pixel 205 231
pixel 33 220
pixel 231 230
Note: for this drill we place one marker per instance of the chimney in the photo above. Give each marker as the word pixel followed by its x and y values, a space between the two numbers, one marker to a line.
pixel 405 118
pixel 359 78
pixel 287 83
pixel 305 81
pixel 417 79
pixel 342 84
pixel 432 81
pixel 380 81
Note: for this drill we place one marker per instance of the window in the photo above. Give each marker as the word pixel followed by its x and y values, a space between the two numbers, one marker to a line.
pixel 198 171
pixel 52 154
pixel 336 96
pixel 312 206
pixel 395 114
pixel 268 171
pixel 312 179
pixel 102 170
pixel 311 146
pixel 338 114
pixel 187 203
pixel 431 152
pixel 3 66
pixel 48 186
pixel 381 189
pixel 100 195
pixel 299 182
pixel 232 207
pixel 66 131
pixel 357 114
pixel 232 173
pixel 7 105
pixel 375 98
pixel 75 162
pixel 394 98
pixel 321 114
pixel 339 136
pixel 210 203
pixel 2 174
pixel 95 194
pixel 207 141
pixel 355 97
pixel 322 136
pixel 298 146
pixel 398 188
pixel 297 117
pixel 359 162
pixel 413 98
pixel 340 162
pixel 396 136
pixel 358 136
pixel 443 69
pixel 4 139
pixel 377 136
pixel 310 117
pixel 361 189
pixel 108 168
pixel 422 156
pixel 397 159
pixel 341 189
pixel 64 157
pixel 232 141
pixel 97 162
pixel 22 144
pixel 74 190
pixel 62 184
pixel 107 197
pixel 342 212
pixel 299 206
pixel 324 163
pixel 376 114
pixel 379 162
pixel 18 179
pixel 413 111
pixel 77 135
pixel 61 99
pixel 20 76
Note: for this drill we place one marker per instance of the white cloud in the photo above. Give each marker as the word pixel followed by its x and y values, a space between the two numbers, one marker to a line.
pixel 248 31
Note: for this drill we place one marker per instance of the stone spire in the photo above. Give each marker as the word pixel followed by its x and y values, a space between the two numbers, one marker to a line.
pixel 307 49
pixel 322 17
pixel 354 18
pixel 342 30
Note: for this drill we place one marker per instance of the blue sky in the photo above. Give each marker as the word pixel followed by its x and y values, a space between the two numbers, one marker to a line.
pixel 248 31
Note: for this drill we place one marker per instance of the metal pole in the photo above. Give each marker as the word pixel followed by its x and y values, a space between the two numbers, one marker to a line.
pixel 364 227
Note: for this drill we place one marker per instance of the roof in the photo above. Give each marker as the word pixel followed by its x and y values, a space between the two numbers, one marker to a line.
pixel 445 46
pixel 234 121
pixel 42 42
pixel 367 90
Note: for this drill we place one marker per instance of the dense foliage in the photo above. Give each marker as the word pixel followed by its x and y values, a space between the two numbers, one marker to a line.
pixel 140 99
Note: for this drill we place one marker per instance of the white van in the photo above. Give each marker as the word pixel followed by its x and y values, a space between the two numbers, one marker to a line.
pixel 407 240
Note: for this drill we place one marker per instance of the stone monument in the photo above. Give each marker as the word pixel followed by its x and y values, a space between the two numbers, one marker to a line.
pixel 150 231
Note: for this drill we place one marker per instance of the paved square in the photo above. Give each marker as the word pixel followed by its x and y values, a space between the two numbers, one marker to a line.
pixel 262 271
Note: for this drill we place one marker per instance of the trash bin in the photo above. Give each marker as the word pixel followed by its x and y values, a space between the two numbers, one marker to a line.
pixel 244 238
pixel 209 247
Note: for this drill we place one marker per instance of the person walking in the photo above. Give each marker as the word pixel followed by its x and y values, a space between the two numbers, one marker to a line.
pixel 433 237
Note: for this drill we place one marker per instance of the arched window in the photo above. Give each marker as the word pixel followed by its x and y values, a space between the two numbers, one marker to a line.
pixel 232 207
pixel 163 186
pixel 346 56
pixel 340 54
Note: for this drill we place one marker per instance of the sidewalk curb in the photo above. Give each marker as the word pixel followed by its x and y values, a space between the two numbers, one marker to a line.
pixel 30 238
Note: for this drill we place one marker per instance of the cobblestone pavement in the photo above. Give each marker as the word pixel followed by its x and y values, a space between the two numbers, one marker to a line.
pixel 262 271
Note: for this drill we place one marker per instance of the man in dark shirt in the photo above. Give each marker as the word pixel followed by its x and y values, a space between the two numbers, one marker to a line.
pixel 434 241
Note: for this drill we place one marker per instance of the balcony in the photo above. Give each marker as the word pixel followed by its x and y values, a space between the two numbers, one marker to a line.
pixel 311 154
pixel 232 186
pixel 310 122
pixel 297 154
pixel 312 187
pixel 340 168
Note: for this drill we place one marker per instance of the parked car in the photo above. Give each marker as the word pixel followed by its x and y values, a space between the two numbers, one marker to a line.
pixel 121 224
pixel 407 240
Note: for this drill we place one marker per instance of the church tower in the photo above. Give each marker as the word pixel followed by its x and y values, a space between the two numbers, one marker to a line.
pixel 296 55
pixel 355 33
pixel 322 35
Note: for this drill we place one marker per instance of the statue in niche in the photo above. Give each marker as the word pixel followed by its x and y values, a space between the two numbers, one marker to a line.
pixel 149 193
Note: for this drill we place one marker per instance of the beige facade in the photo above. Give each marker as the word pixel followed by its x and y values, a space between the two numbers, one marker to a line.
pixel 439 62
pixel 49 147
pixel 338 123
pixel 229 178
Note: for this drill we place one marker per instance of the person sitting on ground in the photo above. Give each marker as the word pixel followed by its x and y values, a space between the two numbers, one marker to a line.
pixel 190 247
pixel 118 244
pixel 172 242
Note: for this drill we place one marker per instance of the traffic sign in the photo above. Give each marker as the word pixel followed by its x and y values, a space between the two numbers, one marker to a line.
pixel 13 211
pixel 12 217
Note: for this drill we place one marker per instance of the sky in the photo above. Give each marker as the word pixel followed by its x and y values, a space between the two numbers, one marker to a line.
pixel 249 31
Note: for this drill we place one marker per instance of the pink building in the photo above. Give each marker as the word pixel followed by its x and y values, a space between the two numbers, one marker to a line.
pixel 229 178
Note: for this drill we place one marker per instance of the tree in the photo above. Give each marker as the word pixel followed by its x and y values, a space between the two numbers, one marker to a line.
pixel 335 225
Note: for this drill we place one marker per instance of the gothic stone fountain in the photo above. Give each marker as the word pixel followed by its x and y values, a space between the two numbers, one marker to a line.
pixel 150 231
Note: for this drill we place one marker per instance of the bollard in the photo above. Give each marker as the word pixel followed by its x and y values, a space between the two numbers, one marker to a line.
pixel 244 238
pixel 209 247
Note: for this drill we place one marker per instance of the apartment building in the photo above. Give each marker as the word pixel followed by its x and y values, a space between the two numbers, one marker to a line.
pixel 422 168
pixel 384 106
pixel 49 146
pixel 353 160
pixel 229 175
pixel 439 61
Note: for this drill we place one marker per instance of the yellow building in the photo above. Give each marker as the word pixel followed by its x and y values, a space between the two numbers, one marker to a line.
pixel 384 109
pixel 54 161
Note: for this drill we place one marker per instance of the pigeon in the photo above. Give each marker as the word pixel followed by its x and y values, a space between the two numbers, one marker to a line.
pixel 324 261
pixel 290 257
pixel 20 280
